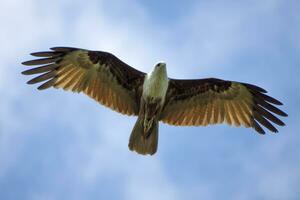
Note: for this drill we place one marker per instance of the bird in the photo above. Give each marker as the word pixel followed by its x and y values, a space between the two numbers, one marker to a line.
pixel 154 97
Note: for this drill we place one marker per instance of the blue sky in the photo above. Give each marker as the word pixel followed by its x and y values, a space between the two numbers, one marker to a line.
pixel 59 145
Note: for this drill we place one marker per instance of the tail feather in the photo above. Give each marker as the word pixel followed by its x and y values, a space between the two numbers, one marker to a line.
pixel 141 144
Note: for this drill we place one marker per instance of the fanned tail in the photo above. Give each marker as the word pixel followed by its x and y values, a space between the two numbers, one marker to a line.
pixel 141 144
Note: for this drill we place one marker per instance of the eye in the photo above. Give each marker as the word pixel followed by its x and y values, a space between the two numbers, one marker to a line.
pixel 158 64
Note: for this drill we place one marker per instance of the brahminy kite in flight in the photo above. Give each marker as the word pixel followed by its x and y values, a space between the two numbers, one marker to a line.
pixel 154 97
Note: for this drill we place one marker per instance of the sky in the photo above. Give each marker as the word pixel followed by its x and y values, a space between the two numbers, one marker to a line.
pixel 60 145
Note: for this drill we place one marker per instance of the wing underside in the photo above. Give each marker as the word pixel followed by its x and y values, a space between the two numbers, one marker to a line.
pixel 100 75
pixel 214 101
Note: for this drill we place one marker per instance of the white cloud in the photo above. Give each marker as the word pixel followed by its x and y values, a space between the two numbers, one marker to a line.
pixel 26 111
pixel 271 176
pixel 153 183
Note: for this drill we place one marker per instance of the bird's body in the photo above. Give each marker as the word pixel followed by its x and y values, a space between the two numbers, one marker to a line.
pixel 154 97
pixel 156 82
pixel 154 93
pixel 145 132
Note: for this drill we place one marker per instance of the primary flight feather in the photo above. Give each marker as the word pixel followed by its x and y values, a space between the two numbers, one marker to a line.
pixel 154 97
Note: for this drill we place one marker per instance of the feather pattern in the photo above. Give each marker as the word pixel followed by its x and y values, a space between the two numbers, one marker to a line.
pixel 218 101
pixel 113 83
pixel 100 75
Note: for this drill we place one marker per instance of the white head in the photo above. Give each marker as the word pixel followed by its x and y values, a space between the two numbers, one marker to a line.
pixel 156 82
pixel 160 65
pixel 159 70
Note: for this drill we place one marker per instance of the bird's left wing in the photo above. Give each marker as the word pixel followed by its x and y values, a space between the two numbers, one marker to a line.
pixel 212 101
pixel 100 75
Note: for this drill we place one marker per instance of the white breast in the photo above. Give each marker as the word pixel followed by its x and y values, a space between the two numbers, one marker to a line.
pixel 156 84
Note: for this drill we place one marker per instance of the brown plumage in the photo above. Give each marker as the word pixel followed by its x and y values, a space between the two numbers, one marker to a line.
pixel 113 83
pixel 213 101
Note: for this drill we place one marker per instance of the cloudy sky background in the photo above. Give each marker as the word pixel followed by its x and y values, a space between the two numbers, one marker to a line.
pixel 59 145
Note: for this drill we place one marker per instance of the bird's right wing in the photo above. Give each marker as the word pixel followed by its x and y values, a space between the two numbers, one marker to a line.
pixel 100 75
pixel 212 101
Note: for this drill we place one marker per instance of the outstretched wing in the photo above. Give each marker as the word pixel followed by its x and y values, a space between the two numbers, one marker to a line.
pixel 100 75
pixel 213 101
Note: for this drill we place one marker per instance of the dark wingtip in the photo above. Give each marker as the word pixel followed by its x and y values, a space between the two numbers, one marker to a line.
pixel 41 88
pixel 272 100
pixel 283 114
pixel 274 131
pixel 46 54
pixel 47 84
pixel 254 87
pixel 280 123
pixel 257 127
pixel 41 61
pixel 260 130
pixel 30 82
pixel 27 63
pixel 37 54
pixel 24 72
pixel 33 54
pixel 63 49
pixel 279 103
pixel 269 107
